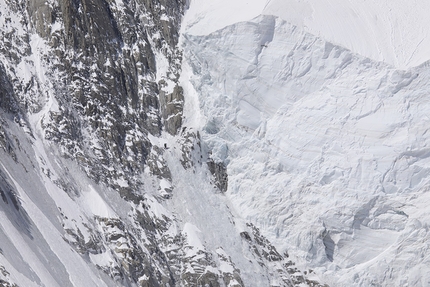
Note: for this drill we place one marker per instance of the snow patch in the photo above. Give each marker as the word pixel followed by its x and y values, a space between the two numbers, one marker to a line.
pixel 95 204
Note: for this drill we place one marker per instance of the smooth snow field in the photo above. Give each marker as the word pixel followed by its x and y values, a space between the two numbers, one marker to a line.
pixel 324 134
pixel 395 32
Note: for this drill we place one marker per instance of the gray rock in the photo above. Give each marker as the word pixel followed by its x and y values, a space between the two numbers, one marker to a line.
pixel 219 172
pixel 172 109
pixel 8 102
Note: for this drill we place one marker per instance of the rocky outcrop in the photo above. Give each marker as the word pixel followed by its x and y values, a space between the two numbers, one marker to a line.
pixel 133 263
pixel 219 172
pixel 191 148
pixel 5 280
pixel 269 257
pixel 6 143
pixel 7 192
pixel 172 107
pixel 107 81
pixel 7 98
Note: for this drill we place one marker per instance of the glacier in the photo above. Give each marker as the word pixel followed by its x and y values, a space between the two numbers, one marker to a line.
pixel 326 146
pixel 214 143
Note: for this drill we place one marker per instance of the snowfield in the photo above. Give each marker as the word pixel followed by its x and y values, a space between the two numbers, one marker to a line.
pixel 325 136
pixel 394 32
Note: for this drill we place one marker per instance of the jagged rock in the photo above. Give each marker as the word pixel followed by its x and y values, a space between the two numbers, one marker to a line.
pixel 157 165
pixel 133 262
pixel 5 280
pixel 42 16
pixel 103 71
pixel 268 256
pixel 229 278
pixel 8 193
pixel 206 279
pixel 219 172
pixel 191 147
pixel 264 247
pixel 8 101
pixel 172 108
pixel 6 143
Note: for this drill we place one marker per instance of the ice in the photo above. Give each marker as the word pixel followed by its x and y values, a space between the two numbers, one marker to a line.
pixel 325 140
pixel 324 147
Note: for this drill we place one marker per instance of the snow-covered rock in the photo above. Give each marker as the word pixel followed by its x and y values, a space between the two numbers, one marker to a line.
pixel 256 144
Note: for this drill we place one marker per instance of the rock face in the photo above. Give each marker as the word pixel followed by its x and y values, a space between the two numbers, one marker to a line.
pixel 106 58
pixel 172 106
pixel 219 172
pixel 101 183
pixel 8 101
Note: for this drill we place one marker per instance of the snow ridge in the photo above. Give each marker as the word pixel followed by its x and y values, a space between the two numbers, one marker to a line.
pixel 384 30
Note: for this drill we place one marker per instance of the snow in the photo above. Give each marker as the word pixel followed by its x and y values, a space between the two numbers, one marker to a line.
pixel 79 273
pixel 193 118
pixel 158 210
pixel 205 16
pixel 317 138
pixel 101 259
pixel 325 141
pixel 388 31
pixel 95 204
pixel 165 185
pixel 225 266
pixel 191 233
pixel 162 72
pixel 207 220
pixel 26 252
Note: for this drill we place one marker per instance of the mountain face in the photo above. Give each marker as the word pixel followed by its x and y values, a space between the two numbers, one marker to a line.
pixel 137 152
pixel 338 171
pixel 101 183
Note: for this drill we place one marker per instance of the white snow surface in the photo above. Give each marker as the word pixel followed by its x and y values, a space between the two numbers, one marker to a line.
pixel 327 150
pixel 396 32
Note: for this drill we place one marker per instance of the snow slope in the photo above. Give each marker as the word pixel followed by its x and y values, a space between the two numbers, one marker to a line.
pixel 395 32
pixel 327 150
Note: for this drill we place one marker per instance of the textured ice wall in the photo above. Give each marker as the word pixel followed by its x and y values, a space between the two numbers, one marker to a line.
pixel 326 151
